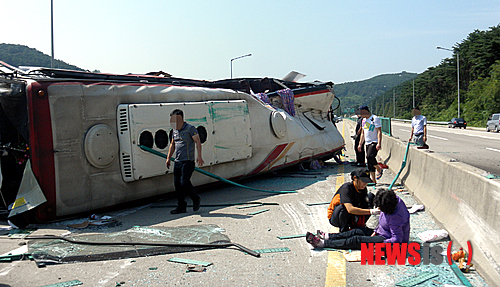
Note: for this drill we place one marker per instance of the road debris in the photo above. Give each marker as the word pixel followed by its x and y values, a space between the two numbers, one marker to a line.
pixel 189 261
pixel 95 220
pixel 20 233
pixel 195 268
pixel 65 284
pixel 249 206
pixel 415 208
pixel 417 280
pixel 259 211
pixel 352 256
pixel 317 203
pixel 219 204
pixel 458 255
pixel 490 175
pixel 135 242
pixel 433 235
pixel 291 236
pixel 272 250
pixel 460 275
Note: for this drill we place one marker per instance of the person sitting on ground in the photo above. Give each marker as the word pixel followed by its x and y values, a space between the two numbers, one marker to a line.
pixel 393 226
pixel 352 204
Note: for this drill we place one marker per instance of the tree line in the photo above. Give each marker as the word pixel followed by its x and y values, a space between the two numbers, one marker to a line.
pixel 20 55
pixel 354 94
pixel 436 91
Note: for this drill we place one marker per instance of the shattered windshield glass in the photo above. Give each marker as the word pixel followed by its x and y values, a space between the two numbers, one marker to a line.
pixel 56 250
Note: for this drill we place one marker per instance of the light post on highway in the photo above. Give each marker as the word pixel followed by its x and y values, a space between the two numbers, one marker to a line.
pixel 52 32
pixel 394 102
pixel 383 103
pixel 247 55
pixel 458 76
pixel 413 93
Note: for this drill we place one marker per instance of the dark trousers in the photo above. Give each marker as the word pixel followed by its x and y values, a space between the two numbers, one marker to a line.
pixel 344 220
pixel 182 181
pixel 360 155
pixel 371 156
pixel 352 239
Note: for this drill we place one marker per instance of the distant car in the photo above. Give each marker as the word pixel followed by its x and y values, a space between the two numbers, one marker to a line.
pixel 457 122
pixel 337 119
pixel 493 123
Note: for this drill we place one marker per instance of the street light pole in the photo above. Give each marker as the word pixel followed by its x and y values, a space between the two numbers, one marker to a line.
pixel 394 102
pixel 458 75
pixel 383 102
pixel 247 55
pixel 413 93
pixel 52 32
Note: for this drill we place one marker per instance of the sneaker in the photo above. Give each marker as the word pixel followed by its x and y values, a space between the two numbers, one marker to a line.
pixel 196 203
pixel 178 210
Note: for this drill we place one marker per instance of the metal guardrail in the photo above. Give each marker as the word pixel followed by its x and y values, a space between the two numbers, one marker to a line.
pixel 429 122
pixel 386 126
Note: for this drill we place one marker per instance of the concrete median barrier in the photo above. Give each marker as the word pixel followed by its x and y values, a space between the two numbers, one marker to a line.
pixel 464 202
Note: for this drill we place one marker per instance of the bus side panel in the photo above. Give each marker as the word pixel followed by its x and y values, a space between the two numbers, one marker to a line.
pixel 41 146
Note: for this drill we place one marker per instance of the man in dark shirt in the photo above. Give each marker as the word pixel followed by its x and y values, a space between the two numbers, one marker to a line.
pixel 360 155
pixel 352 204
pixel 184 139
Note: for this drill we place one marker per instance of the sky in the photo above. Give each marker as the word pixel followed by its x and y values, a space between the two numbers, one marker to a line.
pixel 338 41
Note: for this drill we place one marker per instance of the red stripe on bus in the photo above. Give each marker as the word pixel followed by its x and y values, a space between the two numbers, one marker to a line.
pixel 42 148
pixel 272 155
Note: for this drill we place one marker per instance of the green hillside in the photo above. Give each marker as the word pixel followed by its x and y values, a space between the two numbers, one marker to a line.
pixel 19 55
pixel 354 94
pixel 436 88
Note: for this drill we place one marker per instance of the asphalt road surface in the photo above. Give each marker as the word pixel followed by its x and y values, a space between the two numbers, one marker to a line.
pixel 300 266
pixel 477 148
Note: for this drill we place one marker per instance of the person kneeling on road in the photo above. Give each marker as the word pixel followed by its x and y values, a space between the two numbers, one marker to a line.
pixel 393 226
pixel 352 204
pixel 419 129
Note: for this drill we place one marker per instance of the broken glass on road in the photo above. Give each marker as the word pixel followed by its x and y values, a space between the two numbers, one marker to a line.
pixel 136 242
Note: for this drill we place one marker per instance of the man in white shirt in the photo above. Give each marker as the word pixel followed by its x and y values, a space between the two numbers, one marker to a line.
pixel 371 136
pixel 419 129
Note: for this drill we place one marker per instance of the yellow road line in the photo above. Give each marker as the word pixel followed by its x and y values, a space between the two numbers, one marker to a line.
pixel 343 135
pixel 343 129
pixel 336 269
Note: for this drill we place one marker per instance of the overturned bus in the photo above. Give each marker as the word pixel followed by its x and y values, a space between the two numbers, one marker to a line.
pixel 70 140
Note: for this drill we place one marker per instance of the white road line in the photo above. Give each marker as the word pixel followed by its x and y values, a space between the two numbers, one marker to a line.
pixel 458 133
pixel 493 149
pixel 470 135
pixel 439 138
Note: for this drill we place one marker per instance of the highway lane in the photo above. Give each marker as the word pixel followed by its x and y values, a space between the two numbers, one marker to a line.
pixel 474 147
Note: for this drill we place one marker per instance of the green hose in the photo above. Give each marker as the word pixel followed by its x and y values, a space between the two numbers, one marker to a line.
pixel 145 148
pixel 402 166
